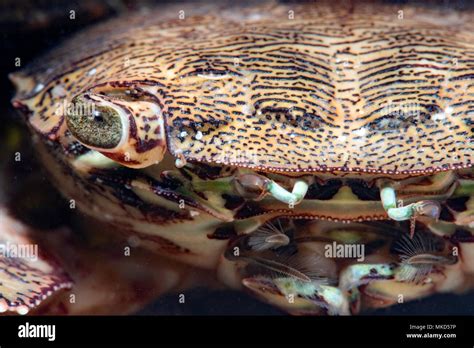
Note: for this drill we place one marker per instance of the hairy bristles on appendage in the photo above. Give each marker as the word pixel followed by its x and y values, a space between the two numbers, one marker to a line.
pixel 303 268
pixel 413 274
pixel 419 244
pixel 280 269
pixel 420 255
pixel 267 237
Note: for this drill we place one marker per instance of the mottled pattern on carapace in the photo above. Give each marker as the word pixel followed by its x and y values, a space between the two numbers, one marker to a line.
pixel 309 87
pixel 25 286
pixel 28 274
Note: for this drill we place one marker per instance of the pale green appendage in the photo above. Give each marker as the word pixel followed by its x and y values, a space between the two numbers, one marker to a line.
pixel 329 297
pixel 389 202
pixel 225 185
pixel 95 159
pixel 356 275
pixel 294 197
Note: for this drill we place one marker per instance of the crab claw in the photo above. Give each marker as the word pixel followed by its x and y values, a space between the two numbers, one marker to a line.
pixel 128 130
pixel 361 274
pixel 354 276
pixel 298 297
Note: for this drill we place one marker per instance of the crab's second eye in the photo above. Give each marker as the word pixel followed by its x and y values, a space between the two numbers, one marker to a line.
pixel 97 126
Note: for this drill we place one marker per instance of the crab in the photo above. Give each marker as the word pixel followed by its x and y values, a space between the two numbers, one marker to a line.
pixel 315 156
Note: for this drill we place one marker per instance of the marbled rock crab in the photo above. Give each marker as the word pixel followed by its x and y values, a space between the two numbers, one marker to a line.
pixel 316 155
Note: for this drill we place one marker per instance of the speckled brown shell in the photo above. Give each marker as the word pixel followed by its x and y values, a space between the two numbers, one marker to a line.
pixel 284 88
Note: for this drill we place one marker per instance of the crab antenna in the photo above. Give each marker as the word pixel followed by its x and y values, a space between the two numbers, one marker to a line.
pixel 294 197
pixel 421 208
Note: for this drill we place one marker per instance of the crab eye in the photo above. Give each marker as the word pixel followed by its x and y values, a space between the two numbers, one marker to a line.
pixel 129 131
pixel 94 125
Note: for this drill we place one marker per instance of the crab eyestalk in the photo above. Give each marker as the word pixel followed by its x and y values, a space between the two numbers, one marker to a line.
pixel 256 187
pixel 128 132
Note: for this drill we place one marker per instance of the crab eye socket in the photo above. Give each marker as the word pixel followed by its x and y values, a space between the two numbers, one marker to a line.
pixel 94 125
pixel 129 131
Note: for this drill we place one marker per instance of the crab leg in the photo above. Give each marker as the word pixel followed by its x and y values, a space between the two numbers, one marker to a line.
pixel 421 208
pixel 389 202
pixel 294 197
pixel 255 186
